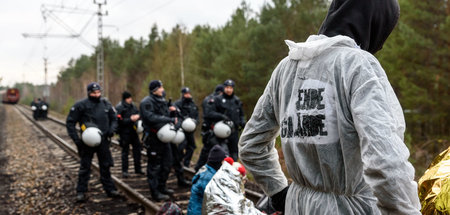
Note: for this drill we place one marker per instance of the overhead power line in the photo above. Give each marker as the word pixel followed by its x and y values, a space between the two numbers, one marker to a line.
pixel 48 11
pixel 146 14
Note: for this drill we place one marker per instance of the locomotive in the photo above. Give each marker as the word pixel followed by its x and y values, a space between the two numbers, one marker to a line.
pixel 11 96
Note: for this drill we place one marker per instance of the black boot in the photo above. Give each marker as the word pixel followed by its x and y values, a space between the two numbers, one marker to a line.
pixel 182 182
pixel 167 191
pixel 81 197
pixel 113 193
pixel 157 196
pixel 125 175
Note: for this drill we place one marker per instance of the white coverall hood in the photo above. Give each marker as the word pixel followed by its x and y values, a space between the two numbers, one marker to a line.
pixel 315 45
pixel 341 129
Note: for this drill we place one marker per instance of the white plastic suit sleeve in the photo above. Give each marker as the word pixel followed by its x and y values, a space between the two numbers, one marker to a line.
pixel 257 144
pixel 385 157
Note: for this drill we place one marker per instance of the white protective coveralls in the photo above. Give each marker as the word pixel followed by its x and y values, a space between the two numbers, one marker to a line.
pixel 341 133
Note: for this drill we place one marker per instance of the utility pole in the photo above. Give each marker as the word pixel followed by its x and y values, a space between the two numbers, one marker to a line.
pixel 100 60
pixel 46 92
pixel 180 45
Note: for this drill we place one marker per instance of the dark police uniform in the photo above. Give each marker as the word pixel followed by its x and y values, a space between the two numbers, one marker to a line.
pixel 128 135
pixel 155 114
pixel 229 108
pixel 35 112
pixel 39 109
pixel 187 109
pixel 208 122
pixel 100 113
pixel 43 112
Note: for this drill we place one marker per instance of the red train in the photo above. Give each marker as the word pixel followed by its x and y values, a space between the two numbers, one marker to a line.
pixel 11 96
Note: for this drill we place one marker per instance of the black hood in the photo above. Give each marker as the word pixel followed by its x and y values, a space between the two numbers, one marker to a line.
pixel 368 22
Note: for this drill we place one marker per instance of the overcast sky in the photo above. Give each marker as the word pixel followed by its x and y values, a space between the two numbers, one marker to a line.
pixel 21 59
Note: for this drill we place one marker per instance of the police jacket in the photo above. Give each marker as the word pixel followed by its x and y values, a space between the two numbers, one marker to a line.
pixel 227 107
pixel 88 113
pixel 41 104
pixel 124 112
pixel 187 108
pixel 207 105
pixel 154 112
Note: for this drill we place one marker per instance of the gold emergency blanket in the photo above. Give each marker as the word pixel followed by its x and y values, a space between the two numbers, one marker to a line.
pixel 434 186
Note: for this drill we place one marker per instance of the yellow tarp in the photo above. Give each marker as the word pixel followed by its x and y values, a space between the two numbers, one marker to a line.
pixel 434 186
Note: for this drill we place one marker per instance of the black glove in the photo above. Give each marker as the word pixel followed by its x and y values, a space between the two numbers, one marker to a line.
pixel 279 199
pixel 79 145
pixel 178 125
pixel 242 124
pixel 225 117
pixel 109 133
pixel 78 142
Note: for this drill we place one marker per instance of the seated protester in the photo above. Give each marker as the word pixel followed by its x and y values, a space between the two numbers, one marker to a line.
pixel 202 178
pixel 224 193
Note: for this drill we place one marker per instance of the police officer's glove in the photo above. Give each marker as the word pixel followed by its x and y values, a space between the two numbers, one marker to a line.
pixel 279 199
pixel 109 133
pixel 205 127
pixel 225 117
pixel 146 145
pixel 242 124
pixel 177 126
pixel 78 143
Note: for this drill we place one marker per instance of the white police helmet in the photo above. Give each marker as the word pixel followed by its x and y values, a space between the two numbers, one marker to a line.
pixel 222 129
pixel 33 108
pixel 139 127
pixel 44 107
pixel 92 136
pixel 188 125
pixel 166 133
pixel 179 138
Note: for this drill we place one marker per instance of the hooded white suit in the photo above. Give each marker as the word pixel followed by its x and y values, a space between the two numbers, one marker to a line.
pixel 341 129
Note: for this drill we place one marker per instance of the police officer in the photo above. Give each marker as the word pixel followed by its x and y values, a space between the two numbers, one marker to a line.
pixel 39 109
pixel 207 105
pixel 187 109
pixel 93 111
pixel 155 114
pixel 228 107
pixel 128 115
pixel 34 106
pixel 44 108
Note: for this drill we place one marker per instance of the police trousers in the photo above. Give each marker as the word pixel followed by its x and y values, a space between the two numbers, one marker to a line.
pixel 159 162
pixel 127 139
pixel 105 162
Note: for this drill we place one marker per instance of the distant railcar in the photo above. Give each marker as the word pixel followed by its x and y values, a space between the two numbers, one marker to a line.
pixel 11 96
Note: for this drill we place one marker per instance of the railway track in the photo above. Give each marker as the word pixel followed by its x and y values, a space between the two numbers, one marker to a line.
pixel 134 187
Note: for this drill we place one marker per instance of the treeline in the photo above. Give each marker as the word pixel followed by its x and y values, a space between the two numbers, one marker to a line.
pixel 249 46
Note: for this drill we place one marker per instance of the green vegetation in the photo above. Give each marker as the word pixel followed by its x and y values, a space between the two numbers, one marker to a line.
pixel 249 46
